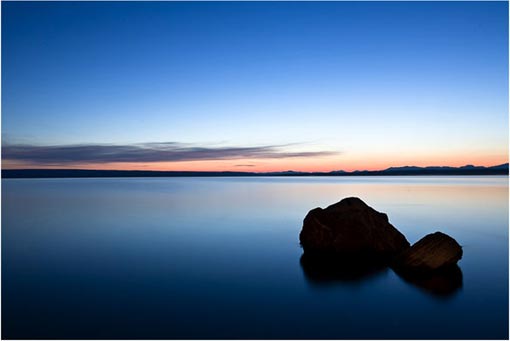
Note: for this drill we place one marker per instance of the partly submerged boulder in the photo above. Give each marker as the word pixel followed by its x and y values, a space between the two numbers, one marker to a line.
pixel 352 229
pixel 433 252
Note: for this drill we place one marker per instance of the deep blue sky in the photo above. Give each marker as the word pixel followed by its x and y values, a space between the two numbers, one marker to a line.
pixel 386 82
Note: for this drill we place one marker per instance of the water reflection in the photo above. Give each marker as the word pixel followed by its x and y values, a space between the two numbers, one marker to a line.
pixel 322 271
pixel 184 258
pixel 442 284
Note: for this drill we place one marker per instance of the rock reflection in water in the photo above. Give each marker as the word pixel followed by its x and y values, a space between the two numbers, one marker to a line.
pixel 320 269
pixel 443 283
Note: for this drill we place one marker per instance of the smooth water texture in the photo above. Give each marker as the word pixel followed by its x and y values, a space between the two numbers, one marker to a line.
pixel 144 258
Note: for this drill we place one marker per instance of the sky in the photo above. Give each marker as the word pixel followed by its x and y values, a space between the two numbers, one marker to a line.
pixel 254 86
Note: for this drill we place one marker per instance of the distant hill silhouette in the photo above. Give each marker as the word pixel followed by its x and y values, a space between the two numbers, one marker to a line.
pixel 406 170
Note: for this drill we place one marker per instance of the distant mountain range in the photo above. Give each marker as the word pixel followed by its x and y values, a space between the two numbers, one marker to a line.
pixel 406 170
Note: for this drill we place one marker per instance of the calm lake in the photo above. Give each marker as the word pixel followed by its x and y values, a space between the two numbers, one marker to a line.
pixel 164 258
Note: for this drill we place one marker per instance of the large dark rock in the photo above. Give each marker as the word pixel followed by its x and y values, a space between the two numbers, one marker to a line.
pixel 352 229
pixel 433 252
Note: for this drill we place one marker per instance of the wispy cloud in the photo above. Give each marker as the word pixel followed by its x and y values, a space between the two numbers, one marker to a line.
pixel 145 152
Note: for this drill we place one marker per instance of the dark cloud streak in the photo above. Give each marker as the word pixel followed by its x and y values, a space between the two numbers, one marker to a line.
pixel 146 152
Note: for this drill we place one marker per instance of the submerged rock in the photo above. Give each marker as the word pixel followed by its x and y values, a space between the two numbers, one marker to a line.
pixel 351 229
pixel 433 252
pixel 350 242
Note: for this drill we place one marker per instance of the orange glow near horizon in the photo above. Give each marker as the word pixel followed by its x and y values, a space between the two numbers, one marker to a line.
pixel 320 164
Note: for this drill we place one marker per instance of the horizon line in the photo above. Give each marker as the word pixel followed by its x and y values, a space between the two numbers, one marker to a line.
pixel 395 168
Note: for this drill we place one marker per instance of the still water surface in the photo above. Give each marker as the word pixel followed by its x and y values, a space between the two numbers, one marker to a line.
pixel 145 258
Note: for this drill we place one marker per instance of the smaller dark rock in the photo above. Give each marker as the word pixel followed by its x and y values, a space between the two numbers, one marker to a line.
pixel 431 253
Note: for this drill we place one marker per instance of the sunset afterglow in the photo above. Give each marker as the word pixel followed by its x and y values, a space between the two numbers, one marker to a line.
pixel 287 87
